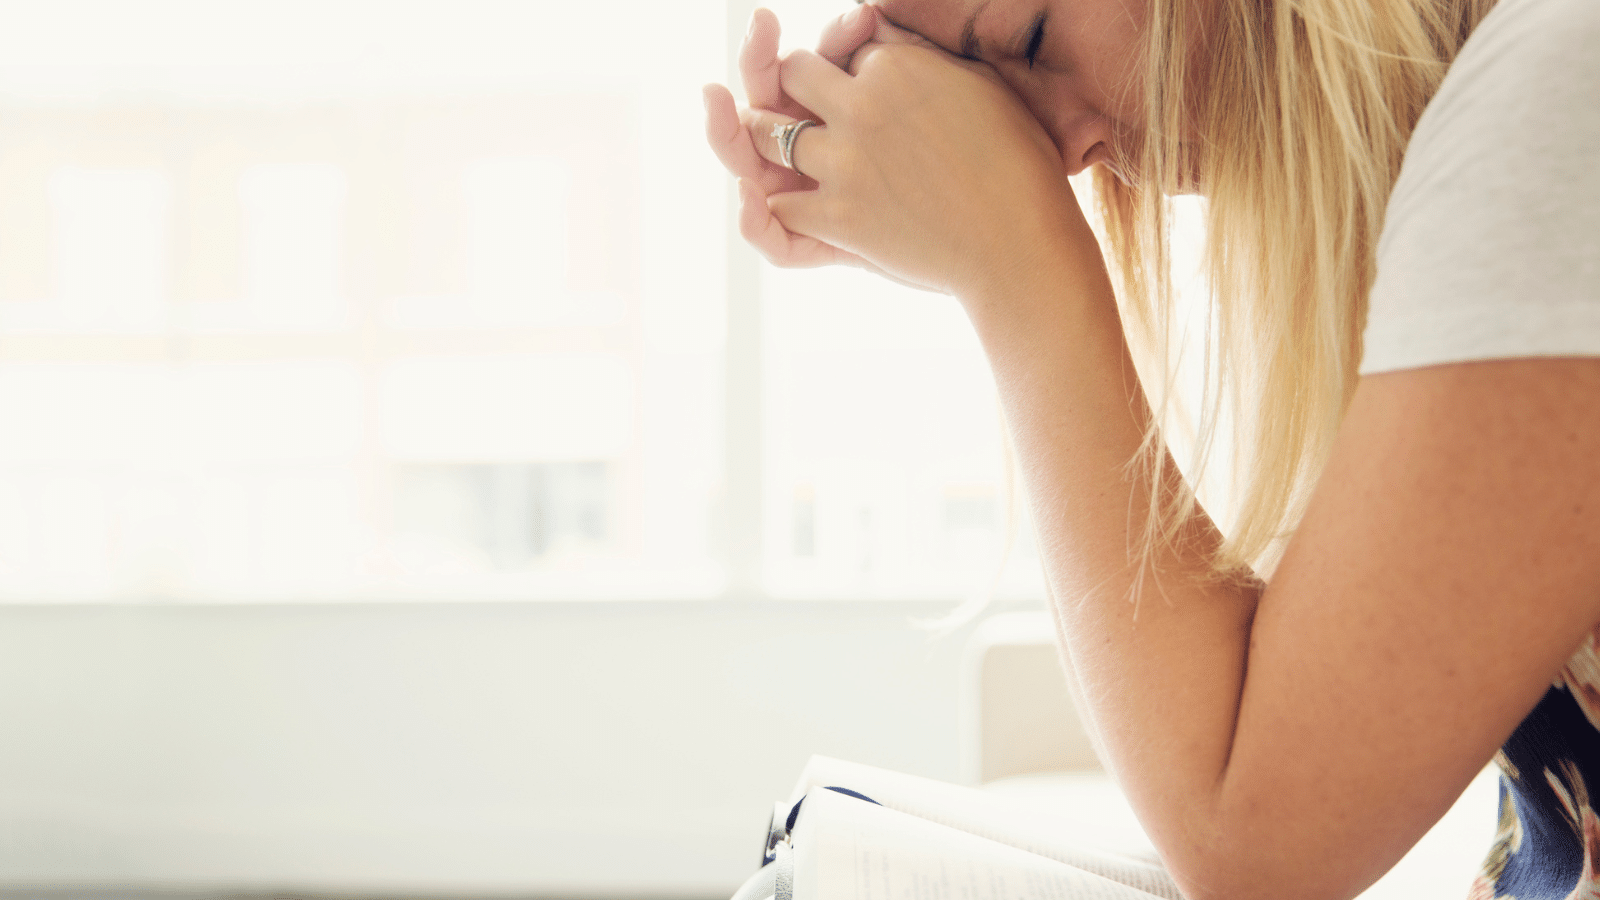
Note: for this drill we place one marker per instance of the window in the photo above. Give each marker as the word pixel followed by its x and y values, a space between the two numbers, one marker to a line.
pixel 885 468
pixel 109 235
pixel 358 301
pixel 292 218
pixel 376 301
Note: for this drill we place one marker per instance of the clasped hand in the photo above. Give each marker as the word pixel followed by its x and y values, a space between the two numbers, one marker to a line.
pixel 924 166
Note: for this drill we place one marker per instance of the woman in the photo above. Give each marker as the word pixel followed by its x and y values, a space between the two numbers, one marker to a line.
pixel 1404 251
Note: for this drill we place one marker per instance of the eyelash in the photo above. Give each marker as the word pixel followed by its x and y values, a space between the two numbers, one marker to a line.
pixel 1035 40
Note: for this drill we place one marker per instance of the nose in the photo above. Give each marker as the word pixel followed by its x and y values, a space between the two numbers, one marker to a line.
pixel 1084 140
pixel 1082 134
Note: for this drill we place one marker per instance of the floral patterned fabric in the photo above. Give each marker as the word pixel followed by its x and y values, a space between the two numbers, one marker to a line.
pixel 1548 842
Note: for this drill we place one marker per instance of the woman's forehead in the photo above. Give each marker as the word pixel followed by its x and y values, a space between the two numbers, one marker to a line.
pixel 945 22
pixel 955 24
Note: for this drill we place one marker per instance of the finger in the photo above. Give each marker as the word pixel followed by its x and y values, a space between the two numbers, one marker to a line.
pixel 802 213
pixel 758 60
pixel 813 82
pixel 896 35
pixel 731 140
pixel 790 209
pixel 862 55
pixel 887 32
pixel 727 134
pixel 758 67
pixel 781 247
pixel 845 35
pixel 764 128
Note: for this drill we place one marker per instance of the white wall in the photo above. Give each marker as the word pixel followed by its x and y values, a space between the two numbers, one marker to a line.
pixel 579 749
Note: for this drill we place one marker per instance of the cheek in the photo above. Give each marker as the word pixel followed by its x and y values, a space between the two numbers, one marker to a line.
pixel 1052 107
pixel 1106 48
pixel 1050 96
pixel 1117 86
pixel 1065 106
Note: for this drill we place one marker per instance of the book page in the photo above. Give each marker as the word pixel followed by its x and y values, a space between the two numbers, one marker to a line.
pixel 987 816
pixel 848 849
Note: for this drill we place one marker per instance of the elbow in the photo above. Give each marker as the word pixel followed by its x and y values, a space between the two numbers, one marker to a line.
pixel 1240 883
pixel 1219 885
pixel 1247 838
pixel 1261 870
pixel 1202 876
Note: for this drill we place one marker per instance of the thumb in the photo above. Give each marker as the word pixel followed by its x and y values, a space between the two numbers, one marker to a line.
pixel 845 35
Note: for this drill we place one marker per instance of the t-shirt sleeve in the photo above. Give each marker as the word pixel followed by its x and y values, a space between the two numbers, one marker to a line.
pixel 1491 242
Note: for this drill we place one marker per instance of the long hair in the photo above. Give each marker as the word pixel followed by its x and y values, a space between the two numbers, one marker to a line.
pixel 1293 122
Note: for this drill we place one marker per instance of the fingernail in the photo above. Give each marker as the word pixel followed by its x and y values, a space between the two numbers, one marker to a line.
pixel 852 17
pixel 752 29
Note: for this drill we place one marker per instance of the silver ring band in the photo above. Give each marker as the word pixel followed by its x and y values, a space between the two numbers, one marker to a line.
pixel 786 135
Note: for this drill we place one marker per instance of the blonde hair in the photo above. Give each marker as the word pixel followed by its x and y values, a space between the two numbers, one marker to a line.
pixel 1294 122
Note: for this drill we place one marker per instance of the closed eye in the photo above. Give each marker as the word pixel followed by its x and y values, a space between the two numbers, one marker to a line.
pixel 1035 40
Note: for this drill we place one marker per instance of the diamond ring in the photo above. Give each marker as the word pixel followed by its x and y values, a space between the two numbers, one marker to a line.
pixel 786 135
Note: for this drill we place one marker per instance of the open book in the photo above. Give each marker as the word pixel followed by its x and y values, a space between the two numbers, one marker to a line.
pixel 919 839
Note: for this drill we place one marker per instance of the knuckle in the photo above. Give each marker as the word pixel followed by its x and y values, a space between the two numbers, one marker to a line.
pixel 895 64
pixel 786 67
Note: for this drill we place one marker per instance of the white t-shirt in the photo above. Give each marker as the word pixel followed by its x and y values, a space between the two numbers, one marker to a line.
pixel 1491 245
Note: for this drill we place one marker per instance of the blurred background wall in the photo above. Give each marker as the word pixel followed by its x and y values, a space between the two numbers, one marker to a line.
pixel 409 483
pixel 573 749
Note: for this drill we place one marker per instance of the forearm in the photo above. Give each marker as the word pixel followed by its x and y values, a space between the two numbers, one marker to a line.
pixel 1163 678
pixel 1290 742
